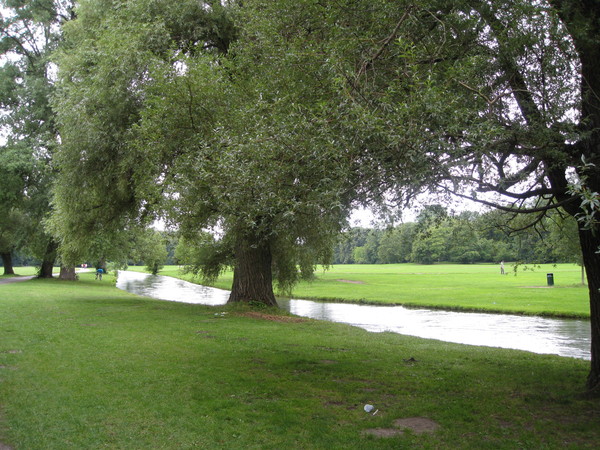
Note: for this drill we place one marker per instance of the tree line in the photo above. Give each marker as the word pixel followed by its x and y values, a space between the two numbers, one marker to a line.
pixel 465 238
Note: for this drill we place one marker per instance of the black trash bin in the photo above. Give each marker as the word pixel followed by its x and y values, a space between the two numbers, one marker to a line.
pixel 550 278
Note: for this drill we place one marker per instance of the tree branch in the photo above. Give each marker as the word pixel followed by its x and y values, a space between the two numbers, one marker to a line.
pixel 368 63
pixel 521 93
pixel 566 202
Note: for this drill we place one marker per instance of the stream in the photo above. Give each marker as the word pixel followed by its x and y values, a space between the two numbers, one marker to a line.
pixel 564 337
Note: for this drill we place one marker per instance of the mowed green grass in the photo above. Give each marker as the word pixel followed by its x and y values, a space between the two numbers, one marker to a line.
pixel 449 286
pixel 84 365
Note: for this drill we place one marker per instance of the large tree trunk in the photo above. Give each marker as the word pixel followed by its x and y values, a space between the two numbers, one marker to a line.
pixel 590 239
pixel 591 259
pixel 252 275
pixel 47 266
pixel 582 21
pixel 8 264
pixel 67 273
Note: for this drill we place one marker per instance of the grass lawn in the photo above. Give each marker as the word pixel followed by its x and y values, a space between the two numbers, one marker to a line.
pixel 84 365
pixel 448 286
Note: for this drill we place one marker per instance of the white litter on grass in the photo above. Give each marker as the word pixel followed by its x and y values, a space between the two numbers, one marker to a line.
pixel 368 408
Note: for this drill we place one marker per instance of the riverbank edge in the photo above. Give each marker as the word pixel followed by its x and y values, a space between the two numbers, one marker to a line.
pixel 551 315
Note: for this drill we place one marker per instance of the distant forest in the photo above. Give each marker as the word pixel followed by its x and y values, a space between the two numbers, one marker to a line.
pixel 467 238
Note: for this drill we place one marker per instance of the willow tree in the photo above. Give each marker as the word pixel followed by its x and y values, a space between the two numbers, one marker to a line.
pixel 97 102
pixel 166 110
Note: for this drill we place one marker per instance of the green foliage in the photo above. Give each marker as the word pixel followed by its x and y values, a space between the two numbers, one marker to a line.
pixel 150 248
pixel 16 167
pixel 202 253
pixel 12 224
pixel 465 238
pixel 390 247
pixel 359 255
pixel 108 184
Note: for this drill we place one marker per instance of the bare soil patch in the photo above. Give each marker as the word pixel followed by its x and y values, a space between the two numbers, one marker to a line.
pixel 327 361
pixel 272 317
pixel 384 432
pixel 350 281
pixel 417 425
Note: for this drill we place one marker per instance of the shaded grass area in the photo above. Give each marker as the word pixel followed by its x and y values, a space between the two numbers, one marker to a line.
pixel 448 286
pixel 84 365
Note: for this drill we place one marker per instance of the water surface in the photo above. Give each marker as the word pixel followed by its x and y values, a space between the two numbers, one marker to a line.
pixel 169 288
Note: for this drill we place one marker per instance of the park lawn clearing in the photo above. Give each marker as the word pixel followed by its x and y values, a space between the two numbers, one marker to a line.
pixel 476 287
pixel 84 365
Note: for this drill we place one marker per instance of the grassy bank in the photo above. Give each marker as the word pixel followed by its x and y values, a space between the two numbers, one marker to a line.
pixel 83 365
pixel 448 286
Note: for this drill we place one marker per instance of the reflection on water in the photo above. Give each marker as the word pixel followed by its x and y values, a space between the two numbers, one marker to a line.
pixel 169 288
pixel 564 337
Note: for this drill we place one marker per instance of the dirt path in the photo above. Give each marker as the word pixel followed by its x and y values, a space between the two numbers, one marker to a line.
pixel 15 279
